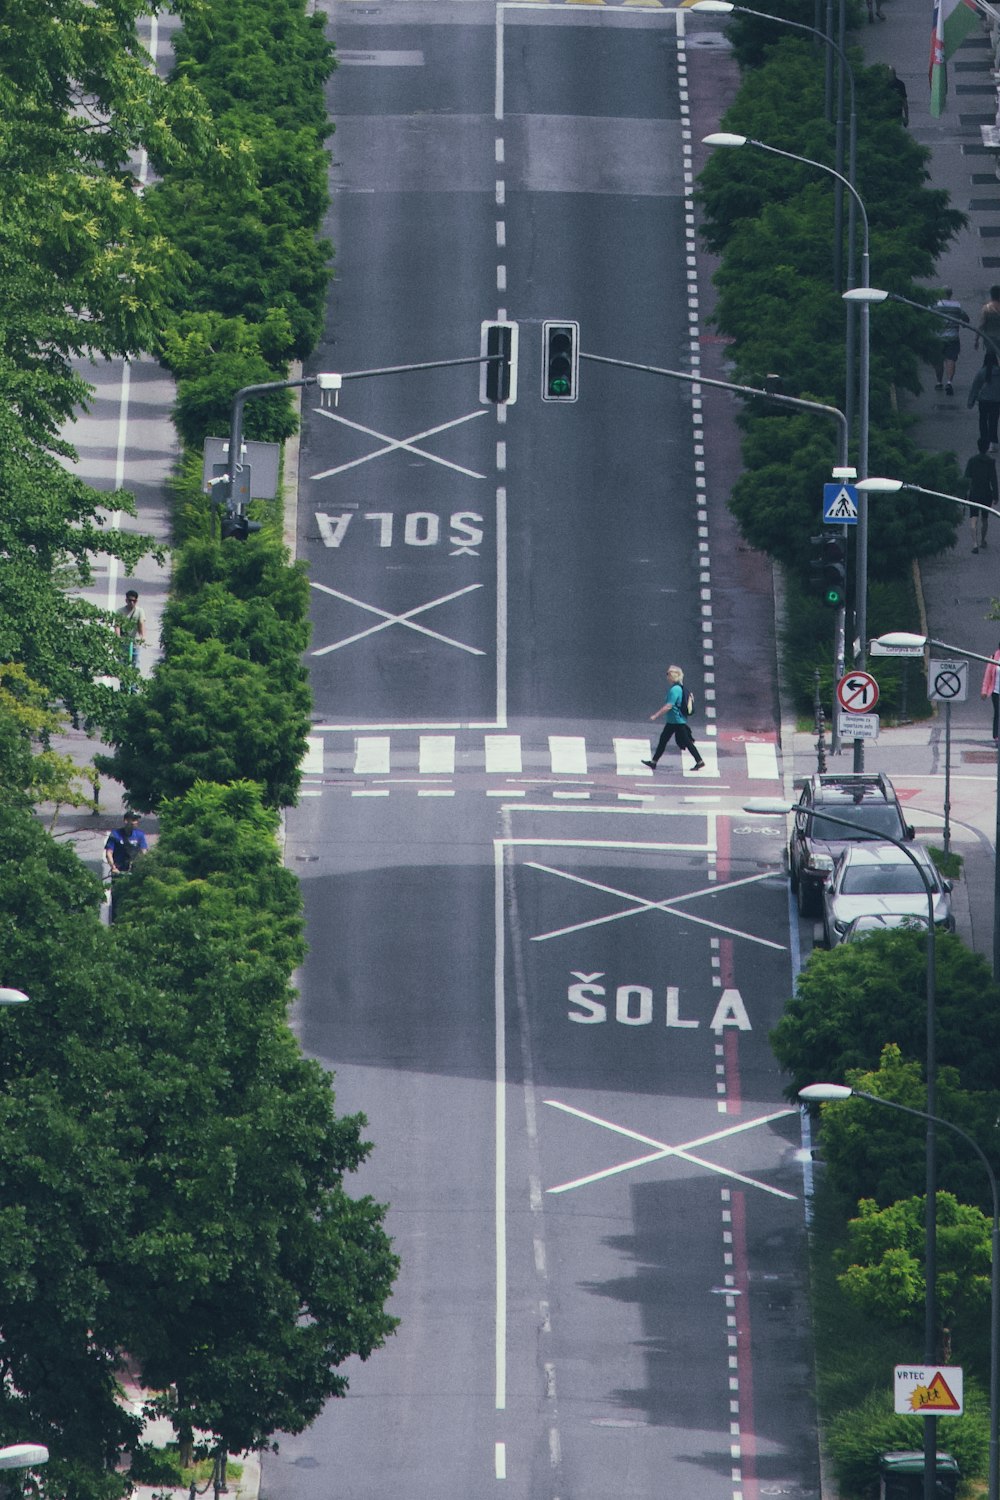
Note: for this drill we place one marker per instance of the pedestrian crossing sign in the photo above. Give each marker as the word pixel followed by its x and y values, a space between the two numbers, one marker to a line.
pixel 840 504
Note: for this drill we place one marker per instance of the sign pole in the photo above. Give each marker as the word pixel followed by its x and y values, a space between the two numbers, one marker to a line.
pixel 947 777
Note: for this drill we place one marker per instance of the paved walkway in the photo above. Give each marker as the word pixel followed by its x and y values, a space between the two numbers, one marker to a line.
pixel 959 586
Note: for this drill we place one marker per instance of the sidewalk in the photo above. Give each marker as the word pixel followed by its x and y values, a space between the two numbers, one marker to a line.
pixel 959 586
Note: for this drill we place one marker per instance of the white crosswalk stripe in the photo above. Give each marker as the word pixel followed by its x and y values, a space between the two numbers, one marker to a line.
pixel 762 761
pixel 368 755
pixel 629 757
pixel 437 754
pixel 503 753
pixel 371 755
pixel 568 754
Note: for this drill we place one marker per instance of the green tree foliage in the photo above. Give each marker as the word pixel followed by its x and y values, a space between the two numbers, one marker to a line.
pixel 884 1265
pixel 210 715
pixel 857 997
pixel 172 1171
pixel 772 221
pixel 85 267
pixel 878 1153
pixel 752 38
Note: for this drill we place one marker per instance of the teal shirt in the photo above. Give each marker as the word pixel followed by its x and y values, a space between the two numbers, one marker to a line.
pixel 673 701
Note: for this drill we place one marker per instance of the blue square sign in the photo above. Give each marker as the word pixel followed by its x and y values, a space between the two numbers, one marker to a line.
pixel 840 504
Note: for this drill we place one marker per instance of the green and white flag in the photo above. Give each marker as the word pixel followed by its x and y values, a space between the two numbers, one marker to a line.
pixel 953 20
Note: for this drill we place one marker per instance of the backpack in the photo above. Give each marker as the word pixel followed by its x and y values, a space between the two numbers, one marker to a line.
pixel 687 702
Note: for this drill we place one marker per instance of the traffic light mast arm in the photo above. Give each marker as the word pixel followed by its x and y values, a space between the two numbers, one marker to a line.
pixel 728 385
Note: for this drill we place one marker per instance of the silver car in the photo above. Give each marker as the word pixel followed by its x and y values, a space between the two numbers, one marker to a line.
pixel 883 921
pixel 870 879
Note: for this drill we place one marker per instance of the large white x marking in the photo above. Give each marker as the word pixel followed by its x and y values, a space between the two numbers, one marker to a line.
pixel 640 903
pixel 406 619
pixel 392 444
pixel 662 1150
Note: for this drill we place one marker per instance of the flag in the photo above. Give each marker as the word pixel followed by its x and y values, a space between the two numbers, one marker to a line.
pixel 952 22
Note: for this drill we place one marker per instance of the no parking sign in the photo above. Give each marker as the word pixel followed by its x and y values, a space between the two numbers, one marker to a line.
pixel 947 681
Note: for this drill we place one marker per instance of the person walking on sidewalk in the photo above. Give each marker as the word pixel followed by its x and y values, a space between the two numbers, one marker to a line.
pixel 949 346
pixel 676 723
pixel 985 389
pixel 991 689
pixel 981 488
pixel 989 319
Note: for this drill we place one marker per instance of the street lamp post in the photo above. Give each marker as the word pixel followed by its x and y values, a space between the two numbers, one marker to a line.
pixel 724 138
pixel 727 7
pixel 770 805
pixel 814 1093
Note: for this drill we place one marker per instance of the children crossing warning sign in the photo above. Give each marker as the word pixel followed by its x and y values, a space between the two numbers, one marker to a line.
pixel 928 1390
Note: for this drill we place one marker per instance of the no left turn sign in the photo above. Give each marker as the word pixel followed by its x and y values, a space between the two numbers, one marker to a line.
pixel 857 692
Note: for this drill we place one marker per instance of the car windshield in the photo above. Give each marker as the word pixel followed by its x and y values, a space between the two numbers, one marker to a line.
pixel 882 880
pixel 879 819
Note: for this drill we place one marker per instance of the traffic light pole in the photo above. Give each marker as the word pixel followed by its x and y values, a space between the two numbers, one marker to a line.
pixel 237 483
pixel 840 626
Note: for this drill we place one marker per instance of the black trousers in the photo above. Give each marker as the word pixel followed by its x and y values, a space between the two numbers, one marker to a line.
pixel 996 715
pixel 989 414
pixel 685 740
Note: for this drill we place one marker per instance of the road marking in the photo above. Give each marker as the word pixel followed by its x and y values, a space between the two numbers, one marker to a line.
pixel 371 755
pixel 409 445
pixel 629 757
pixel 641 904
pixel 312 761
pixel 762 761
pixel 437 754
pixel 685 1151
pixel 568 754
pixel 503 753
pixel 406 618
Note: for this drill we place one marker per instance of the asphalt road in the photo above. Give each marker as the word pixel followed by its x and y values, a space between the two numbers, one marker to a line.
pixel 546 978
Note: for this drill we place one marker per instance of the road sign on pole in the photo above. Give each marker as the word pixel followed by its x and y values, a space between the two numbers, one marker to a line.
pixel 857 692
pixel 879 648
pixel 858 726
pixel 947 681
pixel 928 1390
pixel 840 505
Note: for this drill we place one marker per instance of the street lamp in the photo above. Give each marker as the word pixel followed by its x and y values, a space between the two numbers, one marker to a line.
pixel 725 138
pixel 874 295
pixel 774 805
pixel 13 997
pixel 815 1093
pixel 23 1455
pixel 727 7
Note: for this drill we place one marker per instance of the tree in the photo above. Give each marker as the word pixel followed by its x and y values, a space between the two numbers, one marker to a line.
pixel 857 997
pixel 208 715
pixel 885 1270
pixel 878 1153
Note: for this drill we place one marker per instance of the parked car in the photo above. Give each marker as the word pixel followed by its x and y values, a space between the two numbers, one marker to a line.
pixel 867 800
pixel 871 878
pixel 883 921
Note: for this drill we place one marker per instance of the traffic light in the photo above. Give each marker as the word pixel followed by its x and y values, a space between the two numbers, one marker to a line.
pixel 560 361
pixel 498 377
pixel 828 569
pixel 236 524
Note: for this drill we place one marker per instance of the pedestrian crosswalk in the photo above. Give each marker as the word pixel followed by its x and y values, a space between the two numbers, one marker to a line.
pixel 408 756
